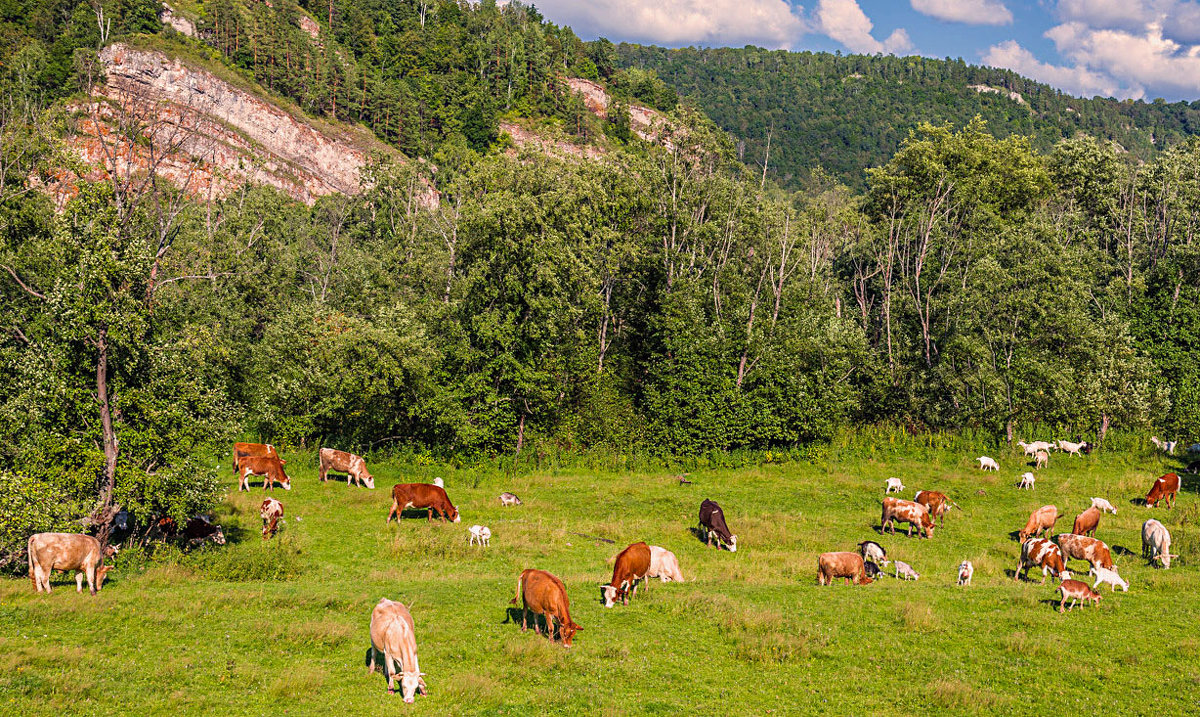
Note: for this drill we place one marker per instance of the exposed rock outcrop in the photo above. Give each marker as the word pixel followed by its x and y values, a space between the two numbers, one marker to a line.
pixel 645 122
pixel 1014 96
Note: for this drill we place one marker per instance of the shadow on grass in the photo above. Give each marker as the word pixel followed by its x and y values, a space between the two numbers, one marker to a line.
pixel 1140 502
pixel 1123 551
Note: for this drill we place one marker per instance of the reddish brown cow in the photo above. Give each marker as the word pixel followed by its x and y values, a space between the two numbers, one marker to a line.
pixel 67 551
pixel 841 565
pixel 1040 521
pixel 545 595
pixel 269 467
pixel 252 450
pixel 355 467
pixel 270 511
pixel 905 511
pixel 1080 547
pixel 632 564
pixel 1165 488
pixel 937 503
pixel 1039 552
pixel 1087 522
pixel 422 495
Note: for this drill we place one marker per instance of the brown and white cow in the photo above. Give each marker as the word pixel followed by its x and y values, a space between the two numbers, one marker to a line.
pixel 354 466
pixel 937 503
pixel 1043 553
pixel 1087 522
pixel 270 511
pixel 664 565
pixel 422 495
pixel 545 595
pixel 1076 591
pixel 1165 488
pixel 393 634
pixel 841 565
pixel 67 551
pixel 1040 521
pixel 632 565
pixel 1081 547
pixel 712 524
pixel 252 450
pixel 905 511
pixel 269 467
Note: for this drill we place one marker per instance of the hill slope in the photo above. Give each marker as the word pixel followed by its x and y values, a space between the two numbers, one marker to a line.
pixel 846 113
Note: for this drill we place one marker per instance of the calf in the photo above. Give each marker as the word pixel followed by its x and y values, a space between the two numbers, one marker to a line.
pixel 394 634
pixel 1041 459
pixel 1087 522
pixel 1026 481
pixel 507 499
pixel 905 511
pixel 632 565
pixel 1104 575
pixel 848 566
pixel 545 595
pixel 894 484
pixel 479 534
pixel 905 570
pixel 355 467
pixel 67 551
pixel 1040 521
pixel 1076 591
pixel 1079 547
pixel 422 495
pixel 252 450
pixel 987 464
pixel 1039 552
pixel 663 565
pixel 270 511
pixel 965 572
pixel 269 467
pixel 937 503
pixel 1103 506
pixel 870 550
pixel 1165 488
pixel 1156 543
pixel 712 523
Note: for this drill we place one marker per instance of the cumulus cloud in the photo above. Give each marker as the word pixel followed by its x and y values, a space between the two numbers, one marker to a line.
pixel 1077 80
pixel 1145 58
pixel 971 12
pixel 844 21
pixel 1120 14
pixel 769 23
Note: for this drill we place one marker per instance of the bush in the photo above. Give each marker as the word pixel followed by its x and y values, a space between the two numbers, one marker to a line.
pixel 28 506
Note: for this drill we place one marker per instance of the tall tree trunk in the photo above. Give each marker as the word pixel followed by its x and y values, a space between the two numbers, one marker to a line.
pixel 521 433
pixel 103 514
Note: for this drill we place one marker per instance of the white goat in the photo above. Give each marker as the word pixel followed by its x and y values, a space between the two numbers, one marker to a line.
pixel 894 484
pixel 1072 448
pixel 1041 459
pixel 479 534
pixel 1026 481
pixel 965 572
pixel 1104 575
pixel 1103 506
pixel 987 464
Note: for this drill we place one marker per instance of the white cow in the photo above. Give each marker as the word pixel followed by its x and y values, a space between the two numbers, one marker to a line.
pixel 393 634
pixel 1103 506
pixel 1104 575
pixel 965 572
pixel 664 566
pixel 987 464
pixel 894 485
pixel 479 534
pixel 1156 542
pixel 1026 481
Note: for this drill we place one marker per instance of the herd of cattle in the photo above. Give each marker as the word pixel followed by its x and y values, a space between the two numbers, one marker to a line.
pixel 392 629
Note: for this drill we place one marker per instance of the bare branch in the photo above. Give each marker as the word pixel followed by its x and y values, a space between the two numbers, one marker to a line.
pixel 29 290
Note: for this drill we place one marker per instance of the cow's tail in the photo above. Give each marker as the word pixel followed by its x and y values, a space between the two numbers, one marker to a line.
pixel 32 560
pixel 518 595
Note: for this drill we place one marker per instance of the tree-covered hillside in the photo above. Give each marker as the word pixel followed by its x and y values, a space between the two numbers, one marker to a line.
pixel 848 113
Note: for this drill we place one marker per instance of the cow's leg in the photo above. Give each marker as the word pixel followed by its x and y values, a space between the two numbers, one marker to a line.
pixel 78 582
pixel 524 618
pixel 91 577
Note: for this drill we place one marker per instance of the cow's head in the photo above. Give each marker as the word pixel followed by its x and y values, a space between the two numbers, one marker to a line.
pixel 568 631
pixel 218 536
pixel 1165 559
pixel 284 479
pixel 864 579
pixel 409 683
pixel 733 543
pixel 927 524
pixel 100 575
pixel 454 514
pixel 1061 574
pixel 611 594
pixel 368 480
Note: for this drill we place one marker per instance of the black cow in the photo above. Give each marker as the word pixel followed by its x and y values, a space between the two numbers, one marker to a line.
pixel 712 522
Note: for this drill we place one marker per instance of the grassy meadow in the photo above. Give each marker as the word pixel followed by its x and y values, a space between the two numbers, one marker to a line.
pixel 281 627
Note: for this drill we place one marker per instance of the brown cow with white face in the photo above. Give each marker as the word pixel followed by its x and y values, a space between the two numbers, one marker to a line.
pixel 632 565
pixel 355 467
pixel 67 551
pixel 905 511
pixel 1039 552
pixel 848 566
pixel 1081 547
pixel 270 468
pixel 1040 521
pixel 252 450
pixel 270 511
pixel 1165 488
pixel 422 495
pixel 393 634
pixel 545 595
pixel 937 503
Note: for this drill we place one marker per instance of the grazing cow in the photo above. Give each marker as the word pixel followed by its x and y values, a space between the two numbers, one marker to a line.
pixel 507 499
pixel 545 595
pixel 966 571
pixel 422 495
pixel 632 565
pixel 355 467
pixel 1069 447
pixel 1076 591
pixel 905 570
pixel 894 485
pixel 394 634
pixel 988 464
pixel 712 523
pixel 664 566
pixel 1103 506
pixel 1165 488
pixel 269 467
pixel 197 530
pixel 1044 553
pixel 479 534
pixel 1104 575
pixel 905 511
pixel 270 511
pixel 1080 547
pixel 252 450
pixel 1041 459
pixel 937 503
pixel 870 550
pixel 1156 543
pixel 1040 521
pixel 67 552
pixel 1026 481
pixel 848 566
pixel 1087 522
pixel 1193 467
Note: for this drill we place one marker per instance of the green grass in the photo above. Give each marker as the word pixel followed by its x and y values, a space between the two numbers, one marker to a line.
pixel 257 628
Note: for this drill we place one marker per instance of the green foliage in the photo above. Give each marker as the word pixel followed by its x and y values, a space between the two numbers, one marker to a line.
pixel 29 506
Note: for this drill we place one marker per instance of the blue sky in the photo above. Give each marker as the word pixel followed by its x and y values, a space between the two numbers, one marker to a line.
pixel 1140 49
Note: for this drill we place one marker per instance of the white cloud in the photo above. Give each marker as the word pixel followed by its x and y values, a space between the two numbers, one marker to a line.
pixel 1145 58
pixel 770 23
pixel 844 21
pixel 1122 14
pixel 1077 80
pixel 971 12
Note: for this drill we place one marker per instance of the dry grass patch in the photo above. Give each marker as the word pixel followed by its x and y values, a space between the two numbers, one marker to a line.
pixel 1020 643
pixel 918 617
pixel 325 633
pixel 298 682
pixel 531 650
pixel 956 694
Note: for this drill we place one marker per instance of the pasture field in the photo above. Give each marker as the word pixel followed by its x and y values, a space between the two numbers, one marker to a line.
pixel 281 627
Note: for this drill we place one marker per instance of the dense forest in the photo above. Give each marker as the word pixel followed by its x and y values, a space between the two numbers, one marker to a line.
pixel 847 113
pixel 665 299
